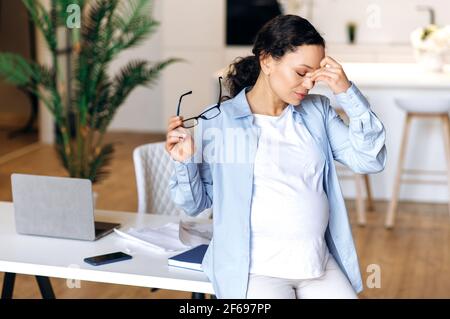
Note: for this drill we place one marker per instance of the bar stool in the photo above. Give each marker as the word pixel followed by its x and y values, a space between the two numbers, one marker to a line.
pixel 419 108
pixel 361 181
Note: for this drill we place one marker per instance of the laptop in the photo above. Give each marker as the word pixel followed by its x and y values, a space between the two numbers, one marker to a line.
pixel 59 207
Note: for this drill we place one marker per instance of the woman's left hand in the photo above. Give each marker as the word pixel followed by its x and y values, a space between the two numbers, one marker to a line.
pixel 332 74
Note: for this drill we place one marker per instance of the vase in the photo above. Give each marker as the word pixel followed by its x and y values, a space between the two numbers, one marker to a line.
pixel 430 61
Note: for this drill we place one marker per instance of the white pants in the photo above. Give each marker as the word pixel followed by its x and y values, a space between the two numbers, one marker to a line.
pixel 333 284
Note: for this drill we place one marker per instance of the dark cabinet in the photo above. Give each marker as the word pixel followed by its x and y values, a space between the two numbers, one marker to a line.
pixel 246 17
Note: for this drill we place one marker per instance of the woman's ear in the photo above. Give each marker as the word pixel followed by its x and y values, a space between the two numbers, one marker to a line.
pixel 266 63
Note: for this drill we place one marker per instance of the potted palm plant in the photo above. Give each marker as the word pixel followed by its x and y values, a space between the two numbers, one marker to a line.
pixel 84 109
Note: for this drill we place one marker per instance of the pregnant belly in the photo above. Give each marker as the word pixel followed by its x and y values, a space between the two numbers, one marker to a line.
pixel 292 217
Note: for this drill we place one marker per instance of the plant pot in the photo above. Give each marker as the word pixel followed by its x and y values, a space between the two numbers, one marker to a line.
pixel 430 61
pixel 351 33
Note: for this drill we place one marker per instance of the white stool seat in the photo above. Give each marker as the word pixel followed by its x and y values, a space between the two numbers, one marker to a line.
pixel 423 105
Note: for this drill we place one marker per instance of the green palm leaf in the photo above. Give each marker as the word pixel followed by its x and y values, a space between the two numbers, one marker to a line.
pixel 133 23
pixel 108 28
pixel 16 70
pixel 42 21
pixel 98 165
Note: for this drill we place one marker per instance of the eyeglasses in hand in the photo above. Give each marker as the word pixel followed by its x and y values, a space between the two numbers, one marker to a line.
pixel 208 114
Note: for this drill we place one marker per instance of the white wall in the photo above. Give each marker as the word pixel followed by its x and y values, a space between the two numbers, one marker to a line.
pixel 379 21
pixel 193 30
pixel 143 109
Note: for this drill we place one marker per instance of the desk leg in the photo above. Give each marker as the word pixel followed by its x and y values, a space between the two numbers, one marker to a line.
pixel 45 287
pixel 8 285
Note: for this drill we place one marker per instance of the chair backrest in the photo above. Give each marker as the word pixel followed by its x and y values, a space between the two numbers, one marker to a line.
pixel 153 168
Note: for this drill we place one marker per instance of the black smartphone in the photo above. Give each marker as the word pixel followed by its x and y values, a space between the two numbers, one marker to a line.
pixel 107 259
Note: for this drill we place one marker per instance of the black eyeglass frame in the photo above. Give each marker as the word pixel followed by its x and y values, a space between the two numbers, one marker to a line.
pixel 201 116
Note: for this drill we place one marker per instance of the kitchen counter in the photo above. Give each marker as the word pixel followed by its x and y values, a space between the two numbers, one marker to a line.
pixel 396 75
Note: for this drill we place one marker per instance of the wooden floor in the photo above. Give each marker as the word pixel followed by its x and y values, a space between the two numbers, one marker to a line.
pixel 414 257
pixel 9 144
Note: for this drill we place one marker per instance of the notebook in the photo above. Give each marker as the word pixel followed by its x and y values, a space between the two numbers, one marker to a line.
pixel 190 259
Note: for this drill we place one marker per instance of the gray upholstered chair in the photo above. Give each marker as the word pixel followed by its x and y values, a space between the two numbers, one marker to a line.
pixel 153 169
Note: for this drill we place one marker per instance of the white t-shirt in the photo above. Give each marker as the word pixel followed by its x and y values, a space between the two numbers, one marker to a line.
pixel 289 213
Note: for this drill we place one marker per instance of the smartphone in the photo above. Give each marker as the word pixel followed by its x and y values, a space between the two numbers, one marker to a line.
pixel 107 259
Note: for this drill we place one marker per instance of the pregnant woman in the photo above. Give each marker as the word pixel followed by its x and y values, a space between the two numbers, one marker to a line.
pixel 264 161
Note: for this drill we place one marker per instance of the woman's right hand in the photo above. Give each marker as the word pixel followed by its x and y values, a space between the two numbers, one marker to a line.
pixel 179 142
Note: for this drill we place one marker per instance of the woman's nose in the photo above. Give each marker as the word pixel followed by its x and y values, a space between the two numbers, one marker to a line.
pixel 308 83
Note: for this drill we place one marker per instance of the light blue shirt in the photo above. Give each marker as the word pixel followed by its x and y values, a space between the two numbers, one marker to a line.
pixel 220 174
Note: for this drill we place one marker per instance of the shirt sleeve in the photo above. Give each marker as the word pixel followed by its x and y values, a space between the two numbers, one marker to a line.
pixel 360 145
pixel 191 185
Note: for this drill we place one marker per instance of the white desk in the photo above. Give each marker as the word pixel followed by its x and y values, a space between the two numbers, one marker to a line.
pixel 63 258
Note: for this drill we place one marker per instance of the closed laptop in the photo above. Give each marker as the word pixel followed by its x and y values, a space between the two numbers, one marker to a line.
pixel 56 207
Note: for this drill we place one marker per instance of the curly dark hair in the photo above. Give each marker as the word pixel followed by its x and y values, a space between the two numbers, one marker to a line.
pixel 282 34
